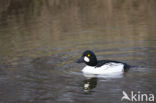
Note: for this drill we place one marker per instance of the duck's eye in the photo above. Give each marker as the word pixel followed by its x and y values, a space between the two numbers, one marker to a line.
pixel 88 55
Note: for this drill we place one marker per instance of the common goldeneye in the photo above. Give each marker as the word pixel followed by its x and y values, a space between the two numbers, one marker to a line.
pixel 95 66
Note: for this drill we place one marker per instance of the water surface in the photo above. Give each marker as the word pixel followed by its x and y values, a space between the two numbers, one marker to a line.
pixel 40 41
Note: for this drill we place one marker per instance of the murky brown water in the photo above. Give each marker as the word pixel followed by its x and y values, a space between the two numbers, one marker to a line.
pixel 41 39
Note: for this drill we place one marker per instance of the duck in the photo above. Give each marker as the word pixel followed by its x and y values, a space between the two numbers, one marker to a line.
pixel 94 66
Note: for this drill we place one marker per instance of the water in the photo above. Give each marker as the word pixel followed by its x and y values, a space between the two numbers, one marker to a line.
pixel 40 41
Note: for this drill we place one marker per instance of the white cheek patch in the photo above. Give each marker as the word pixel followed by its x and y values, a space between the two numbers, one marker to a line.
pixel 86 59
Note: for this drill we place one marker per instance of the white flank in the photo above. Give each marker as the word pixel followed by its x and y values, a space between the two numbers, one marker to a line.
pixel 108 68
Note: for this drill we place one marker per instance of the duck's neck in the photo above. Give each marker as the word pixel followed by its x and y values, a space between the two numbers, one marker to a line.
pixel 92 62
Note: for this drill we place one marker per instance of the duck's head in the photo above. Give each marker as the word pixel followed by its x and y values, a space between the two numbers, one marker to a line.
pixel 89 58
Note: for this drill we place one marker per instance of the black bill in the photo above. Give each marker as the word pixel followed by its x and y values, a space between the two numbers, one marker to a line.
pixel 80 60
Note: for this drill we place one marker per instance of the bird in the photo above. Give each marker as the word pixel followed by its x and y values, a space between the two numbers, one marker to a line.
pixel 94 66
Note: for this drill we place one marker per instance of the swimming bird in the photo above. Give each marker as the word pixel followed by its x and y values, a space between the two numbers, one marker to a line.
pixel 95 66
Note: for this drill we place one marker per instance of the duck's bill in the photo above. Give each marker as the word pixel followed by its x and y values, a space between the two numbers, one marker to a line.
pixel 80 60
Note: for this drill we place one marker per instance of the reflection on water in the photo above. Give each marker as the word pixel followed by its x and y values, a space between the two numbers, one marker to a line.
pixel 41 39
pixel 89 84
pixel 91 80
pixel 113 75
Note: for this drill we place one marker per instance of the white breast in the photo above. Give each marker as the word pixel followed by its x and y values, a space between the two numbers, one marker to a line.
pixel 105 69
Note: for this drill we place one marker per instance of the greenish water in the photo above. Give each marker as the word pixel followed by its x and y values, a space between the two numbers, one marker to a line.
pixel 41 39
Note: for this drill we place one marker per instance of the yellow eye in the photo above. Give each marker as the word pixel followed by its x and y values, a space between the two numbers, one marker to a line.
pixel 88 55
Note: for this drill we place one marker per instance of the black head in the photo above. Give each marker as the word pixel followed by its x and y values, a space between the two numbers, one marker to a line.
pixel 89 58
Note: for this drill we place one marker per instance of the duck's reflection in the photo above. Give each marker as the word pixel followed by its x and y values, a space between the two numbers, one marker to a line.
pixel 91 80
pixel 89 84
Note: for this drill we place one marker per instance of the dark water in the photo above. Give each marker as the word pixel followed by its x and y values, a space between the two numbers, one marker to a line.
pixel 41 39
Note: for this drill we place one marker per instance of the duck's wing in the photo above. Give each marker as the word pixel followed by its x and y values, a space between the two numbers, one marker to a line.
pixel 102 62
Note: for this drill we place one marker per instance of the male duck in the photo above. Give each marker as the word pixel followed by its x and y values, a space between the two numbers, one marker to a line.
pixel 95 66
